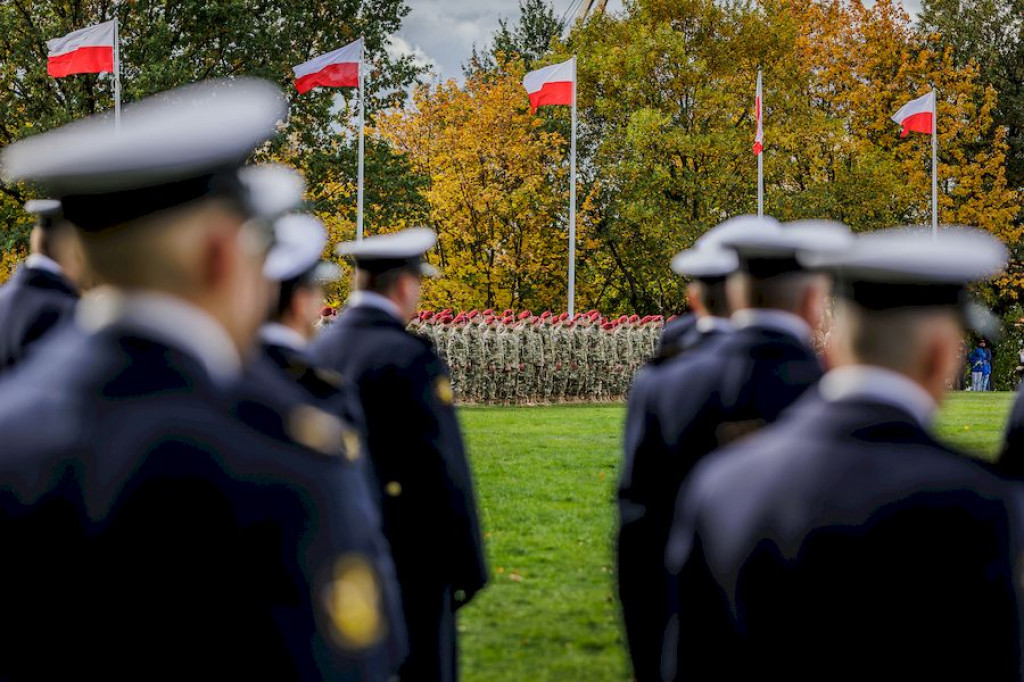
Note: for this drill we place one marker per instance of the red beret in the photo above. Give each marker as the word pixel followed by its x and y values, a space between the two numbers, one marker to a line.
pixel 672 317
pixel 489 311
pixel 634 317
pixel 489 319
pixel 525 314
pixel 546 314
pixel 608 326
pixel 472 313
pixel 508 320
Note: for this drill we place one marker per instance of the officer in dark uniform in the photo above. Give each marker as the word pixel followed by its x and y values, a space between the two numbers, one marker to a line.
pixel 707 397
pixel 430 515
pixel 845 541
pixel 643 582
pixel 283 361
pixel 155 524
pixel 42 293
pixel 708 265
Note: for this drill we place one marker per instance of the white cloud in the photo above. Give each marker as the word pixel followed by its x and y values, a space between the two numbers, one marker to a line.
pixel 441 33
pixel 400 47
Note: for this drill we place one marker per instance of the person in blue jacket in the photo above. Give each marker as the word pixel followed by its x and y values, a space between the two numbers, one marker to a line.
pixel 980 360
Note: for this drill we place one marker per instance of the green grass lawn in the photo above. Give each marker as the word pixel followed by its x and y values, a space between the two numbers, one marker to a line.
pixel 546 480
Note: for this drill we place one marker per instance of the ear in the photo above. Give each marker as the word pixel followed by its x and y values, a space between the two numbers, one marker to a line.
pixel 693 301
pixel 221 247
pixel 940 359
pixel 815 299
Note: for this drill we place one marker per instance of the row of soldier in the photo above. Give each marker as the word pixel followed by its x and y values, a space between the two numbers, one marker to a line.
pixel 190 486
pixel 526 358
pixel 780 521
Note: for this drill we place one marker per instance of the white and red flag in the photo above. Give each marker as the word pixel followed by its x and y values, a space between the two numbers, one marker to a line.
pixel 87 50
pixel 338 69
pixel 552 85
pixel 917 116
pixel 759 135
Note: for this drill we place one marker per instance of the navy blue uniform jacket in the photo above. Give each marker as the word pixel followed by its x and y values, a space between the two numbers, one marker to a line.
pixel 679 412
pixel 844 542
pixel 31 305
pixel 429 507
pixel 150 531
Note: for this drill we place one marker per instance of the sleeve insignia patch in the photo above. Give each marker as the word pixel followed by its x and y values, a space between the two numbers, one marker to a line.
pixel 352 599
pixel 445 393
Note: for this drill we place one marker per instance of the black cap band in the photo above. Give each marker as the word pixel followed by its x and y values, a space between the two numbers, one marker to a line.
pixel 95 212
pixel 764 267
pixel 378 266
pixel 889 295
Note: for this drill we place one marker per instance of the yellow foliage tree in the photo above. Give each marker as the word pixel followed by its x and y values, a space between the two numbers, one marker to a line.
pixel 497 192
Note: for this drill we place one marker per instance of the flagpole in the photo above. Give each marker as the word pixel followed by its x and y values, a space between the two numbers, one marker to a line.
pixel 117 76
pixel 935 164
pixel 760 155
pixel 362 113
pixel 572 200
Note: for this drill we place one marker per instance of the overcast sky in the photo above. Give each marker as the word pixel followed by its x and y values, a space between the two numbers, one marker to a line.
pixel 441 33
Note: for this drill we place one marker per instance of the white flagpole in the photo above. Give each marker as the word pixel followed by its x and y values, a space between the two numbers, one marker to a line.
pixel 117 76
pixel 935 164
pixel 572 200
pixel 760 155
pixel 362 113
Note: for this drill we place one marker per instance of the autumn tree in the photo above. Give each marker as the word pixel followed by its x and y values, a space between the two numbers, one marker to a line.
pixel 666 93
pixel 167 44
pixel 497 191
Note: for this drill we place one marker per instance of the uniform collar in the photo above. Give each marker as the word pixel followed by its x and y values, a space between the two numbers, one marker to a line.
pixel 878 385
pixel 276 334
pixel 38 261
pixel 370 299
pixel 774 320
pixel 166 319
pixel 710 323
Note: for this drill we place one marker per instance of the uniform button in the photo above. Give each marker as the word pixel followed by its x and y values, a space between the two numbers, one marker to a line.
pixel 393 489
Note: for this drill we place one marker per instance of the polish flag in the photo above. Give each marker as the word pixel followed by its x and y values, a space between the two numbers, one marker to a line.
pixel 338 69
pixel 917 116
pixel 759 135
pixel 87 50
pixel 551 85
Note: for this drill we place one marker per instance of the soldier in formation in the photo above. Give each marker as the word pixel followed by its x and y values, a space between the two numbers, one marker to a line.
pixel 528 359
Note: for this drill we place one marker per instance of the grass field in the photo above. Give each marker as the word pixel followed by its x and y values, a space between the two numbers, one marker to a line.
pixel 546 479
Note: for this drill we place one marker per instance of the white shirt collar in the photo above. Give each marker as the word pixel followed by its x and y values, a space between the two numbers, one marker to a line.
pixel 167 319
pixel 38 261
pixel 710 323
pixel 878 385
pixel 775 320
pixel 277 334
pixel 370 299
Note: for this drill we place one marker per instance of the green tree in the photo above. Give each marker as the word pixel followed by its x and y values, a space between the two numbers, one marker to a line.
pixel 528 40
pixel 989 33
pixel 168 44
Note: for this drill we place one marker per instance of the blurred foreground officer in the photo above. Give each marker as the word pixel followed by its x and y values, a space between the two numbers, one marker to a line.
pixel 43 292
pixel 845 541
pixel 430 515
pixel 171 538
pixel 644 505
pixel 730 387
